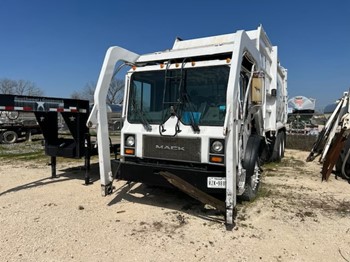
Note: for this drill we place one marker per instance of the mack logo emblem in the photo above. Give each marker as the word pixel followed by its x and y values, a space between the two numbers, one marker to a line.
pixel 173 148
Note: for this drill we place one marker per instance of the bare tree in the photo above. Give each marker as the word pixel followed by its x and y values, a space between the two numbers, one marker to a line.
pixel 7 86
pixel 114 95
pixel 115 92
pixel 19 87
pixel 76 95
pixel 27 88
pixel 87 93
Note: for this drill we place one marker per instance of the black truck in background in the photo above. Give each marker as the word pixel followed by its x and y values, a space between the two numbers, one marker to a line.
pixel 18 126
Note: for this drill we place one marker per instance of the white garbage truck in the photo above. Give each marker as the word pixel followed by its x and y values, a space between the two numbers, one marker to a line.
pixel 209 111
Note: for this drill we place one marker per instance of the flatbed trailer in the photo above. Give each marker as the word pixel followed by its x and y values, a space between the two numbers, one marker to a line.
pixel 74 112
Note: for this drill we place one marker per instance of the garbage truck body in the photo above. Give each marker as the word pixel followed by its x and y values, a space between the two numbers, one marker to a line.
pixel 209 110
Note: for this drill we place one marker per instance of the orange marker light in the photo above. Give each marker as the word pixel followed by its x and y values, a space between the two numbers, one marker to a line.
pixel 161 65
pixel 228 60
pixel 129 151
pixel 217 159
pixel 193 63
pixel 177 65
pixel 134 68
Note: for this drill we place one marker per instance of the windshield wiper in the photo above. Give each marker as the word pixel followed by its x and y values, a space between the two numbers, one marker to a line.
pixel 185 99
pixel 143 119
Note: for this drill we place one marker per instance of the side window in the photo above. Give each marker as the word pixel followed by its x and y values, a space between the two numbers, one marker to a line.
pixel 142 94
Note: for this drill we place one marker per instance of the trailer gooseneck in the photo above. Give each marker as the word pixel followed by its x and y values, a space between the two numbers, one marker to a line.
pixel 74 112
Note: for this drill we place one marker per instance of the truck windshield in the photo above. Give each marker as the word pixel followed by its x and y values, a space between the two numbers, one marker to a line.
pixel 193 94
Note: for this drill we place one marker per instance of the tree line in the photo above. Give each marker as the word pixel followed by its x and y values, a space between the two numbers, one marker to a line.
pixel 19 87
pixel 28 88
pixel 115 93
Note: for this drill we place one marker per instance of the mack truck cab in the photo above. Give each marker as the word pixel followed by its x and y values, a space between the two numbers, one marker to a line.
pixel 209 111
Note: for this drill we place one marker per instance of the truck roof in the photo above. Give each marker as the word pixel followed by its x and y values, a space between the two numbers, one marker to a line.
pixel 205 46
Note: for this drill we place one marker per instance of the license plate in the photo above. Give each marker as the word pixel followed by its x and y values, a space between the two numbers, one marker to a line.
pixel 216 182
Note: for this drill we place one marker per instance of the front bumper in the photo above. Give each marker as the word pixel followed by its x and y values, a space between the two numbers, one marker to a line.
pixel 148 173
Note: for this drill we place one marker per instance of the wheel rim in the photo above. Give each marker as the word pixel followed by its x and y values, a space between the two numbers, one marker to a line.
pixel 255 178
pixel 12 115
pixel 241 182
pixel 9 138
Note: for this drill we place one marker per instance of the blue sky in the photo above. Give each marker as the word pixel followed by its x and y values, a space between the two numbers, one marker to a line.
pixel 60 44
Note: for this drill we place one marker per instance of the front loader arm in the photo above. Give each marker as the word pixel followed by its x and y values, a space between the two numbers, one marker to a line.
pixel 98 115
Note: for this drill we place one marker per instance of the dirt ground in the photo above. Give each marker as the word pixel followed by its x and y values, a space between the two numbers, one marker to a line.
pixel 296 218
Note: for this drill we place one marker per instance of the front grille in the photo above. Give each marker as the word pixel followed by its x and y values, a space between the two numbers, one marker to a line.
pixel 172 148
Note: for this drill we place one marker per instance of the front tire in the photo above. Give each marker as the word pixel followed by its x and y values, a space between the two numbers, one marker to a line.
pixel 251 165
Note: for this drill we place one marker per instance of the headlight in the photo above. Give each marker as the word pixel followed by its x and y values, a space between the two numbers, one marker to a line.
pixel 130 141
pixel 217 147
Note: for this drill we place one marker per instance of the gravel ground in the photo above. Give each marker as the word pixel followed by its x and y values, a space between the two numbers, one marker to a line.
pixel 296 218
